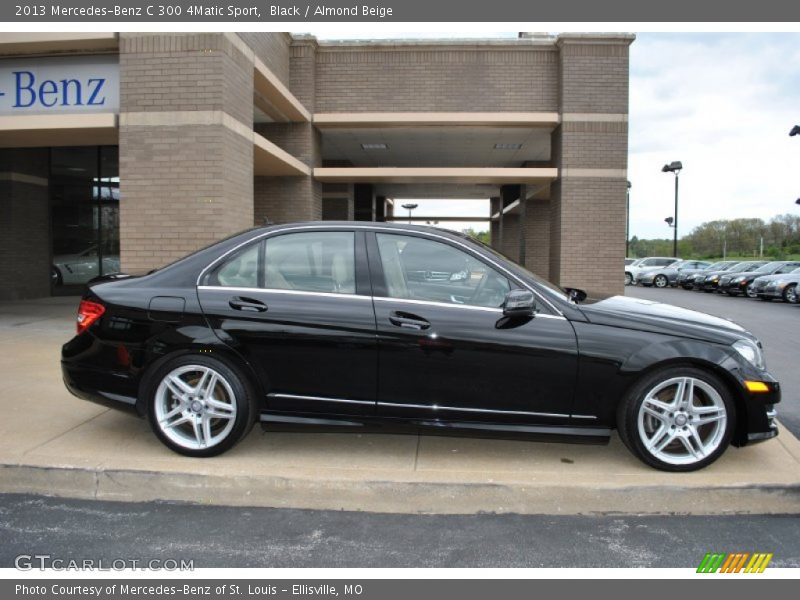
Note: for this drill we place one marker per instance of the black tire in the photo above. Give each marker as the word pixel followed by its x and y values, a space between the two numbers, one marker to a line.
pixel 628 412
pixel 55 277
pixel 790 294
pixel 243 396
pixel 660 281
pixel 628 279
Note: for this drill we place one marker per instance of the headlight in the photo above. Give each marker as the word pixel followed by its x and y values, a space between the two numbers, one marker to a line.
pixel 751 353
pixel 715 278
pixel 737 279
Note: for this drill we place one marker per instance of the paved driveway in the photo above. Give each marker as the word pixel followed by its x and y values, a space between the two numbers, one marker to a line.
pixel 777 325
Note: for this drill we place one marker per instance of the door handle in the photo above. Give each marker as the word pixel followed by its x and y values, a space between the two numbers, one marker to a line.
pixel 408 321
pixel 247 304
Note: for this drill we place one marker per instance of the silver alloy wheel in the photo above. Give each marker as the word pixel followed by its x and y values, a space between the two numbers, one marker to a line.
pixel 751 292
pixel 195 407
pixel 682 420
pixel 790 295
pixel 660 281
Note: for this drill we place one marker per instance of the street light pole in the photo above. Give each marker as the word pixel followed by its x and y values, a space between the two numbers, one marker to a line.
pixel 409 207
pixel 675 168
pixel 627 219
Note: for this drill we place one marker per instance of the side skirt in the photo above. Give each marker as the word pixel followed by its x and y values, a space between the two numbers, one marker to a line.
pixel 553 433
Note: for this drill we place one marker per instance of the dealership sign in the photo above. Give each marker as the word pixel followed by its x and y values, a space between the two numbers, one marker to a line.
pixel 59 85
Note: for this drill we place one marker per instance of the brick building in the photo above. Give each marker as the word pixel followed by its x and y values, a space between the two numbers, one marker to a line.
pixel 126 151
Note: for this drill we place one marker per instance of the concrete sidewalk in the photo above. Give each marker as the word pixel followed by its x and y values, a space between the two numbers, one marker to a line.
pixel 52 443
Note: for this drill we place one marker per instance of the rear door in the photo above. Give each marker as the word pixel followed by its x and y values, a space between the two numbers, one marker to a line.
pixel 298 306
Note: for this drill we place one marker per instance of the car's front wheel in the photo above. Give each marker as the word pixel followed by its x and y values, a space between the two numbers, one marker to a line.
pixel 751 292
pixel 200 406
pixel 660 281
pixel 677 419
pixel 790 294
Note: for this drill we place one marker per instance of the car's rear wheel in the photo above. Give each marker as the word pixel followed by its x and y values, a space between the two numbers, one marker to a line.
pixel 790 294
pixel 628 278
pixel 660 281
pixel 200 406
pixel 677 419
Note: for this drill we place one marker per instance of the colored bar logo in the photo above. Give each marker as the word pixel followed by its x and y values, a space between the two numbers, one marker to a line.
pixel 735 562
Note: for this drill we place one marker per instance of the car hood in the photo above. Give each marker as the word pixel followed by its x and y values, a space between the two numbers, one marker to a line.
pixel 658 317
pixel 773 277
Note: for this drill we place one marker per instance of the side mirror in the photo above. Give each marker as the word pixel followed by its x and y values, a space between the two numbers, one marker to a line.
pixel 576 295
pixel 519 303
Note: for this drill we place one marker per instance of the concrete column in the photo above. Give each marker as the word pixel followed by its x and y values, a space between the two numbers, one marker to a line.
pixel 185 144
pixel 25 241
pixel 284 199
pixel 509 224
pixel 590 148
pixel 494 226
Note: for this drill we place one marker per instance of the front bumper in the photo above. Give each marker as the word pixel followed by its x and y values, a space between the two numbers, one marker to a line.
pixel 771 291
pixel 754 437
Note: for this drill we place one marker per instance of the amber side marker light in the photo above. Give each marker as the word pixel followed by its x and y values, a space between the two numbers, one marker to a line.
pixel 756 386
pixel 88 313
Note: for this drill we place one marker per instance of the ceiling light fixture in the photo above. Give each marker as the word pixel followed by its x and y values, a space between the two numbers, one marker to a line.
pixel 507 146
pixel 374 147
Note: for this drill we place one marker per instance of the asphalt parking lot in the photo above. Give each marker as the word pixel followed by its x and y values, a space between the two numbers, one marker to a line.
pixel 776 324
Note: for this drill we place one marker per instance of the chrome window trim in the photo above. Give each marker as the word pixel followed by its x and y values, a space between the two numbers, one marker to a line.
pixel 245 290
pixel 320 399
pixel 282 291
pixel 378 228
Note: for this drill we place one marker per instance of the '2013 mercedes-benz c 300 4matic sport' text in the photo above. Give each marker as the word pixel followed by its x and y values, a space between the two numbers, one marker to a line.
pixel 354 324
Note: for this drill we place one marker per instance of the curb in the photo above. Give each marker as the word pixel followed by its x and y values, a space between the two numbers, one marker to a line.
pixel 420 497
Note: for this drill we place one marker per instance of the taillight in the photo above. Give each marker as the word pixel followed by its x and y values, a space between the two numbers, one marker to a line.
pixel 88 313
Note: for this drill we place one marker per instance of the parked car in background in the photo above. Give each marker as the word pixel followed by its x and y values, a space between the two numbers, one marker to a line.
pixel 710 282
pixel 78 268
pixel 629 261
pixel 662 277
pixel 317 323
pixel 686 277
pixel 735 283
pixel 741 282
pixel 649 262
pixel 778 286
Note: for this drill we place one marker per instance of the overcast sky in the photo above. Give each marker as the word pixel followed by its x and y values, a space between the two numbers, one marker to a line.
pixel 723 104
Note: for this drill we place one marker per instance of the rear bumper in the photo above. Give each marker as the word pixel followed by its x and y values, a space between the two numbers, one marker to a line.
pixel 89 372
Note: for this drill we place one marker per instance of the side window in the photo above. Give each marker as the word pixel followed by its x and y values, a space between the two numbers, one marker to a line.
pixel 650 262
pixel 239 271
pixel 319 261
pixel 421 269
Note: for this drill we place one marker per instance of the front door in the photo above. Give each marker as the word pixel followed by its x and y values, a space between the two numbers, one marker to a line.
pixel 446 350
pixel 297 306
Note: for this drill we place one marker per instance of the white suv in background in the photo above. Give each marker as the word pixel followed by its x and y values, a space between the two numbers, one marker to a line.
pixel 650 262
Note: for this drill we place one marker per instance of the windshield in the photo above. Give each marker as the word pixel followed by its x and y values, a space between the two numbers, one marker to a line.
pixel 768 268
pixel 741 267
pixel 717 266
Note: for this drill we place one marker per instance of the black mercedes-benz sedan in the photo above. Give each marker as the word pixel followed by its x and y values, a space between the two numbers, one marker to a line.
pixel 341 323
